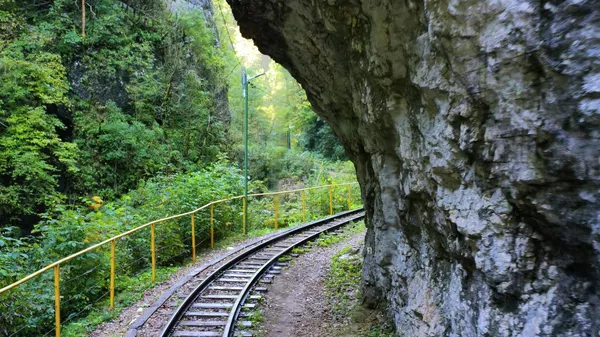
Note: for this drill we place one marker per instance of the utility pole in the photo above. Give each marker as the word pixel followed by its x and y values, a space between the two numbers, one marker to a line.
pixel 83 18
pixel 245 81
pixel 245 89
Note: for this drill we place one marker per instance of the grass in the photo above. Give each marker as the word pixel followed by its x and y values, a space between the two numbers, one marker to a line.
pixel 300 250
pixel 343 281
pixel 343 290
pixel 284 258
pixel 131 289
pixel 236 238
pixel 326 240
pixel 256 317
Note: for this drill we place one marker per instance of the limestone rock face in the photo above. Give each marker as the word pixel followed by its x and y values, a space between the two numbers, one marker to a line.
pixel 475 130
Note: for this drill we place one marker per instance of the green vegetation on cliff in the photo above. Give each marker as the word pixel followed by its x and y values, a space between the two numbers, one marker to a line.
pixel 138 96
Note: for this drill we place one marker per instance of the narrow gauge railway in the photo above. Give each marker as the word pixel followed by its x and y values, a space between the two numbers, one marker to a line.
pixel 215 307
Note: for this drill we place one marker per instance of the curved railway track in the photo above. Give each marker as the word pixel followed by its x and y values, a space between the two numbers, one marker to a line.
pixel 212 309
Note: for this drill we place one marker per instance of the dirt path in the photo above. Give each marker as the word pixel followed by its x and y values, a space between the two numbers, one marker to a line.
pixel 296 303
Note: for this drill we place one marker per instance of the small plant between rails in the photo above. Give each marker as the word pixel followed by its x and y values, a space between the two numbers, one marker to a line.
pixel 214 307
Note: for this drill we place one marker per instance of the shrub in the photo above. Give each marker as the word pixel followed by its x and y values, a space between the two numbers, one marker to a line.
pixel 84 280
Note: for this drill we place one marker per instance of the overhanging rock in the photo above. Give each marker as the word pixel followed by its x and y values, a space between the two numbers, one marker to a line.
pixel 475 130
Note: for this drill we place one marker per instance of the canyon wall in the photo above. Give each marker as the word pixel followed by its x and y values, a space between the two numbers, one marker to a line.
pixel 475 130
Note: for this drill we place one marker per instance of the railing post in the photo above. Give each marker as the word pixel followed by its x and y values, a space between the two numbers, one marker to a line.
pixel 193 239
pixel 349 200
pixel 113 245
pixel 57 299
pixel 276 202
pixel 244 215
pixel 330 200
pixel 212 227
pixel 303 206
pixel 152 248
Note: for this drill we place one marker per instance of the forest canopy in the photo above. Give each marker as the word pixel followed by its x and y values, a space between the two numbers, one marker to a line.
pixel 143 93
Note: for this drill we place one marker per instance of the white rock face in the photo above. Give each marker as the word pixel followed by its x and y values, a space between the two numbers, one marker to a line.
pixel 475 130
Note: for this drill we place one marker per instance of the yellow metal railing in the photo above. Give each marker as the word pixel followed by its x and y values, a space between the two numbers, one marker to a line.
pixel 113 240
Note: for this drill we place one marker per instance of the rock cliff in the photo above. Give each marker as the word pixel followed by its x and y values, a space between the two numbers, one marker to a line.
pixel 220 100
pixel 474 128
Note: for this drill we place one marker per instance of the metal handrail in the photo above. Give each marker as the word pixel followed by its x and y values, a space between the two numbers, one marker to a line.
pixel 152 224
pixel 131 231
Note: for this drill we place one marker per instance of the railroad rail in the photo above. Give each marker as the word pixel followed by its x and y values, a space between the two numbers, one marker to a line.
pixel 212 309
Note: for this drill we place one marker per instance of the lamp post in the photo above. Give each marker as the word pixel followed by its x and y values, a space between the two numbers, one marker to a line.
pixel 245 81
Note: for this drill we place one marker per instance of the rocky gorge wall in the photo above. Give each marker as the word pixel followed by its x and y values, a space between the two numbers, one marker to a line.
pixel 474 128
pixel 220 101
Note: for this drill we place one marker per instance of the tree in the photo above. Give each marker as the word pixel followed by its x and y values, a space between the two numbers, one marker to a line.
pixel 32 155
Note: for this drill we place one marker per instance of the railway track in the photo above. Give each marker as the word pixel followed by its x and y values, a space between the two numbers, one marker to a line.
pixel 215 307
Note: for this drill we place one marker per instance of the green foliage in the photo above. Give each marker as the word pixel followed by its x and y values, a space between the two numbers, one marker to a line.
pixel 379 330
pixel 278 104
pixel 343 281
pixel 332 173
pixel 32 156
pixel 274 164
pixel 319 138
pixel 300 250
pixel 12 252
pixel 67 230
pixel 129 150
pixel 343 290
pixel 316 200
pixel 131 290
pixel 329 240
pixel 136 97
pixel 36 79
pixel 163 123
